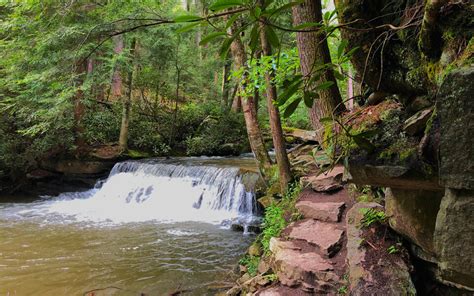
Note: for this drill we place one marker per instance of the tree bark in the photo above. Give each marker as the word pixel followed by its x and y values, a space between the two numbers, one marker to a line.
pixel 116 76
pixel 248 105
pixel 314 51
pixel 430 41
pixel 275 122
pixel 79 108
pixel 127 100
pixel 225 85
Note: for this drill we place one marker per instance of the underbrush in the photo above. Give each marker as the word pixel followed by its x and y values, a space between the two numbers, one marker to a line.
pixel 278 215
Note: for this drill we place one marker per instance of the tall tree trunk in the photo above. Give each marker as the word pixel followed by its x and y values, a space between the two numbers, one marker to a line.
pixel 248 105
pixel 79 108
pixel 127 100
pixel 225 85
pixel 236 101
pixel 275 122
pixel 314 51
pixel 116 88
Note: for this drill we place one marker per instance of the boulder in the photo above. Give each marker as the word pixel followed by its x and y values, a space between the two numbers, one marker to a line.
pixel 322 211
pixel 413 214
pixel 393 176
pixel 455 107
pixel 327 236
pixel 384 277
pixel 326 182
pixel 300 134
pixel 417 123
pixel 293 267
pixel 254 250
pixel 454 239
pixel 419 103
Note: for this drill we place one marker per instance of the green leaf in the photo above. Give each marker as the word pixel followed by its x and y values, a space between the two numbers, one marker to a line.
pixel 324 85
pixel 187 18
pixel 272 37
pixel 225 46
pixel 338 75
pixel 188 27
pixel 211 37
pixel 290 109
pixel 308 98
pixel 224 4
pixel 257 12
pixel 340 49
pixel 253 43
pixel 289 91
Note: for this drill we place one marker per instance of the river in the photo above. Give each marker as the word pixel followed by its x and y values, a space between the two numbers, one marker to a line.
pixel 152 227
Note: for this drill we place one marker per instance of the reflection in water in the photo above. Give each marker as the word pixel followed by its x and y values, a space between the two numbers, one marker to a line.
pixel 143 231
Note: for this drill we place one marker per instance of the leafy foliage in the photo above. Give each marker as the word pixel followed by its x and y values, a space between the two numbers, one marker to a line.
pixel 372 216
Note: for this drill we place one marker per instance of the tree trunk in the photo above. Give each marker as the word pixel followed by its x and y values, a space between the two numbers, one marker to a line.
pixel 225 85
pixel 275 122
pixel 79 108
pixel 116 76
pixel 314 51
pixel 127 101
pixel 248 105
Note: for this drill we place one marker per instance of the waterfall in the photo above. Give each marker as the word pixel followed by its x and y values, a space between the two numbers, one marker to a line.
pixel 163 191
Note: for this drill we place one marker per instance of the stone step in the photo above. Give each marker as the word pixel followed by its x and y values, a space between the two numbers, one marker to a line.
pixel 327 236
pixel 323 211
pixel 327 182
pixel 307 270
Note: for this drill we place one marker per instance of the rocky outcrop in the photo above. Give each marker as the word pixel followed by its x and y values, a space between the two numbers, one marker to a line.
pixel 413 213
pixel 387 275
pixel 454 239
pixel 456 113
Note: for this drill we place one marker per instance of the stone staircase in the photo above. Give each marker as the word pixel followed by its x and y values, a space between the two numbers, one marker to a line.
pixel 309 256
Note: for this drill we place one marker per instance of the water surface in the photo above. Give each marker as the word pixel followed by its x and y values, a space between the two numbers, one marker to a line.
pixel 151 228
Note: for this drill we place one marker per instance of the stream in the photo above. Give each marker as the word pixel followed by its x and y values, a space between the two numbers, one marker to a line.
pixel 152 227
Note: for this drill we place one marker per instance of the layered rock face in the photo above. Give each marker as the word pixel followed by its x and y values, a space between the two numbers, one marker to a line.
pixel 429 71
pixel 436 211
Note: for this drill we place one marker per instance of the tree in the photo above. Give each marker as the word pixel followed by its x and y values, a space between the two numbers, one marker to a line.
pixel 127 100
pixel 248 105
pixel 314 55
pixel 275 122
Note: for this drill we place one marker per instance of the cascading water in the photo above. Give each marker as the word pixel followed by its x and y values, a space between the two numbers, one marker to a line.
pixel 159 191
pixel 140 231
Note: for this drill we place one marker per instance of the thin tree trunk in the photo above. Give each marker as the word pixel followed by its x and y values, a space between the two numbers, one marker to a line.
pixel 79 108
pixel 275 122
pixel 225 85
pixel 314 51
pixel 116 89
pixel 127 101
pixel 253 130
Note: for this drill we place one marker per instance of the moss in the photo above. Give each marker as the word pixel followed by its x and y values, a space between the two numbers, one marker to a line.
pixel 137 154
pixel 401 150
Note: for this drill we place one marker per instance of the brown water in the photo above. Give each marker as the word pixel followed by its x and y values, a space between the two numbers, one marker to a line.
pixel 155 259
pixel 118 239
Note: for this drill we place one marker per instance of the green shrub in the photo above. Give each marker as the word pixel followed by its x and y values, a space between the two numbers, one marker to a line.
pixel 221 134
pixel 251 263
pixel 274 220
